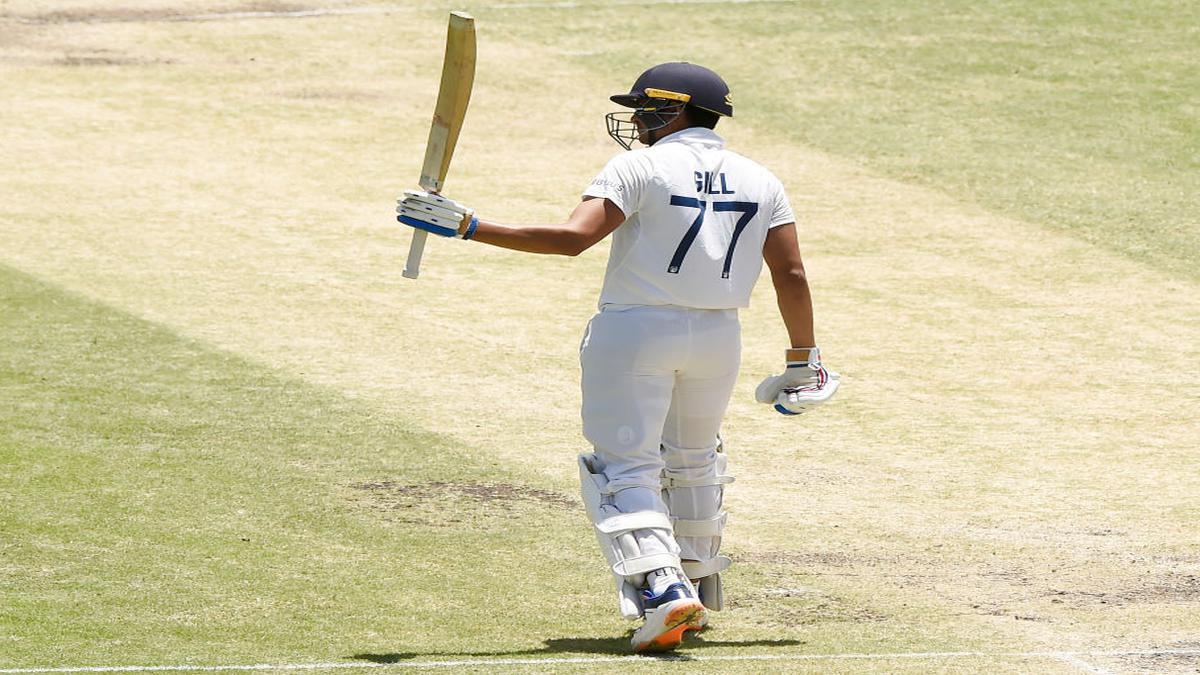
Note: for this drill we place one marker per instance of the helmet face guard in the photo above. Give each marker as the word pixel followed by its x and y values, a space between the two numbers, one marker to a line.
pixel 627 126
pixel 659 96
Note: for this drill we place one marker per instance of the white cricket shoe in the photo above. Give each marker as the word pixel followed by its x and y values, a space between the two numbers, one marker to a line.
pixel 668 616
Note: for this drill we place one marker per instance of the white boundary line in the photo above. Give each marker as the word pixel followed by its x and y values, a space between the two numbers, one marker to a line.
pixel 391 9
pixel 1073 658
pixel 1086 667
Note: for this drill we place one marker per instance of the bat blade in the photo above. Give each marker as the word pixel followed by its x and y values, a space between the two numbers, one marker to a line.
pixel 458 74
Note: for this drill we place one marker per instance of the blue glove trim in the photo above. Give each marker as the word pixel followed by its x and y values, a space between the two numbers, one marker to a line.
pixel 784 411
pixel 428 227
pixel 471 228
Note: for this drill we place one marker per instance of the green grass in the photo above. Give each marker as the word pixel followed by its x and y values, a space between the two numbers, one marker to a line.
pixel 230 433
pixel 1082 117
pixel 164 502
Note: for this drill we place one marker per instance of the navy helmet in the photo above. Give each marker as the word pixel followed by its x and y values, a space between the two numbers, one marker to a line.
pixel 679 81
pixel 659 96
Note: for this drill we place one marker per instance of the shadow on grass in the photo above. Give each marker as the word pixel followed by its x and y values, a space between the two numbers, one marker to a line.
pixel 618 646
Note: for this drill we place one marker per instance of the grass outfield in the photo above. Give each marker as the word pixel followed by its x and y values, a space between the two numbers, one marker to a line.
pixel 230 433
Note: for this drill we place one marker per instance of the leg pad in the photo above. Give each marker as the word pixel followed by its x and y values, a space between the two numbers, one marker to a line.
pixel 693 488
pixel 618 536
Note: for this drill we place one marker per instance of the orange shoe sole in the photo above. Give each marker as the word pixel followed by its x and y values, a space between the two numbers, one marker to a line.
pixel 680 621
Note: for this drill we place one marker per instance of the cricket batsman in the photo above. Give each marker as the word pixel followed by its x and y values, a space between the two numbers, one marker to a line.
pixel 692 224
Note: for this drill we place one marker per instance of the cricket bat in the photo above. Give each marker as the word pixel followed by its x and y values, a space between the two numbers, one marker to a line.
pixel 458 74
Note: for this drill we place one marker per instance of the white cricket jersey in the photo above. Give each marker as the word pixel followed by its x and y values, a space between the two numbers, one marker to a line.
pixel 696 218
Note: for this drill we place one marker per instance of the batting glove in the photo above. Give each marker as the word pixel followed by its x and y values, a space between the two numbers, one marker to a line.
pixel 436 214
pixel 804 384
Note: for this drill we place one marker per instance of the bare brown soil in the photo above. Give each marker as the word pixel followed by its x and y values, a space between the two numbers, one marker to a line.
pixel 502 495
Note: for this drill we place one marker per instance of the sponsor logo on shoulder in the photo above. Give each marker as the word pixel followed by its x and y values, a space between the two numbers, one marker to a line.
pixel 610 184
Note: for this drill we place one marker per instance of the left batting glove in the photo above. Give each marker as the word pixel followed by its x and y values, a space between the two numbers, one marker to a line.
pixel 804 384
pixel 436 214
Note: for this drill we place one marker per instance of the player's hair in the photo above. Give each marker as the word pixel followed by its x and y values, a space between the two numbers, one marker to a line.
pixel 699 117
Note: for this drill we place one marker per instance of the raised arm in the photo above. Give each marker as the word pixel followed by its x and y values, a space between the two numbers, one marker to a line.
pixel 590 222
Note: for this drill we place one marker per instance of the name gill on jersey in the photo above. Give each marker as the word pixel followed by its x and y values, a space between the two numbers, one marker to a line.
pixel 696 218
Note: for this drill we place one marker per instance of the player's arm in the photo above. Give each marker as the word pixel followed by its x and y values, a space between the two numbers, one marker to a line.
pixel 805 383
pixel 591 221
pixel 782 255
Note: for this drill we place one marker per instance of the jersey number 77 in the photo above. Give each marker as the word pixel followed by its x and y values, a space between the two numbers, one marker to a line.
pixel 747 209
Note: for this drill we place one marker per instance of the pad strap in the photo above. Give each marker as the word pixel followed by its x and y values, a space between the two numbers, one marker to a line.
pixel 697 570
pixel 629 563
pixel 669 482
pixel 709 527
pixel 628 522
pixel 641 564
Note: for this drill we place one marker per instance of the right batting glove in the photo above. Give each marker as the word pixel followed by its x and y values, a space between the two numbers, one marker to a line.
pixel 803 385
pixel 436 214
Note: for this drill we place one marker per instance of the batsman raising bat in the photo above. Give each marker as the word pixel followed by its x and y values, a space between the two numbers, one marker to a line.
pixel 692 224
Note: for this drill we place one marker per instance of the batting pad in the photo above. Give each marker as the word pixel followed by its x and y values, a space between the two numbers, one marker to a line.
pixel 615 534
pixel 693 487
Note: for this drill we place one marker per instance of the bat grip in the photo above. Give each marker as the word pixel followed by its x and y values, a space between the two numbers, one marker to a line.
pixel 412 268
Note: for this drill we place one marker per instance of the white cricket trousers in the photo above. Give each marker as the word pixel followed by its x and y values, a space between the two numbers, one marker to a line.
pixel 656 383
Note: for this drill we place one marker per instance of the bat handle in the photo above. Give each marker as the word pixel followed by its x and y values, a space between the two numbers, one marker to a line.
pixel 412 268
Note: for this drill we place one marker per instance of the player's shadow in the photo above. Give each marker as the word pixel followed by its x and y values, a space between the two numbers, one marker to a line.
pixel 576 645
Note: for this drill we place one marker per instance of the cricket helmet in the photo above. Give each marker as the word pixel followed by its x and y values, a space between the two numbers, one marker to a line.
pixel 660 94
pixel 683 82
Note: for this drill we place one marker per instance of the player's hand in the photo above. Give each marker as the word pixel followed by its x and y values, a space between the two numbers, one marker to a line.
pixel 803 385
pixel 436 214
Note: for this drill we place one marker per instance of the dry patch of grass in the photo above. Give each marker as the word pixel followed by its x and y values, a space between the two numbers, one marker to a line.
pixel 331 94
pixel 105 57
pixel 1167 663
pixel 456 502
pixel 184 11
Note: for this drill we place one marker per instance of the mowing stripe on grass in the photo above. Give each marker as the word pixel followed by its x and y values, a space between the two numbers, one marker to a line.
pixel 384 9
pixel 1074 658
